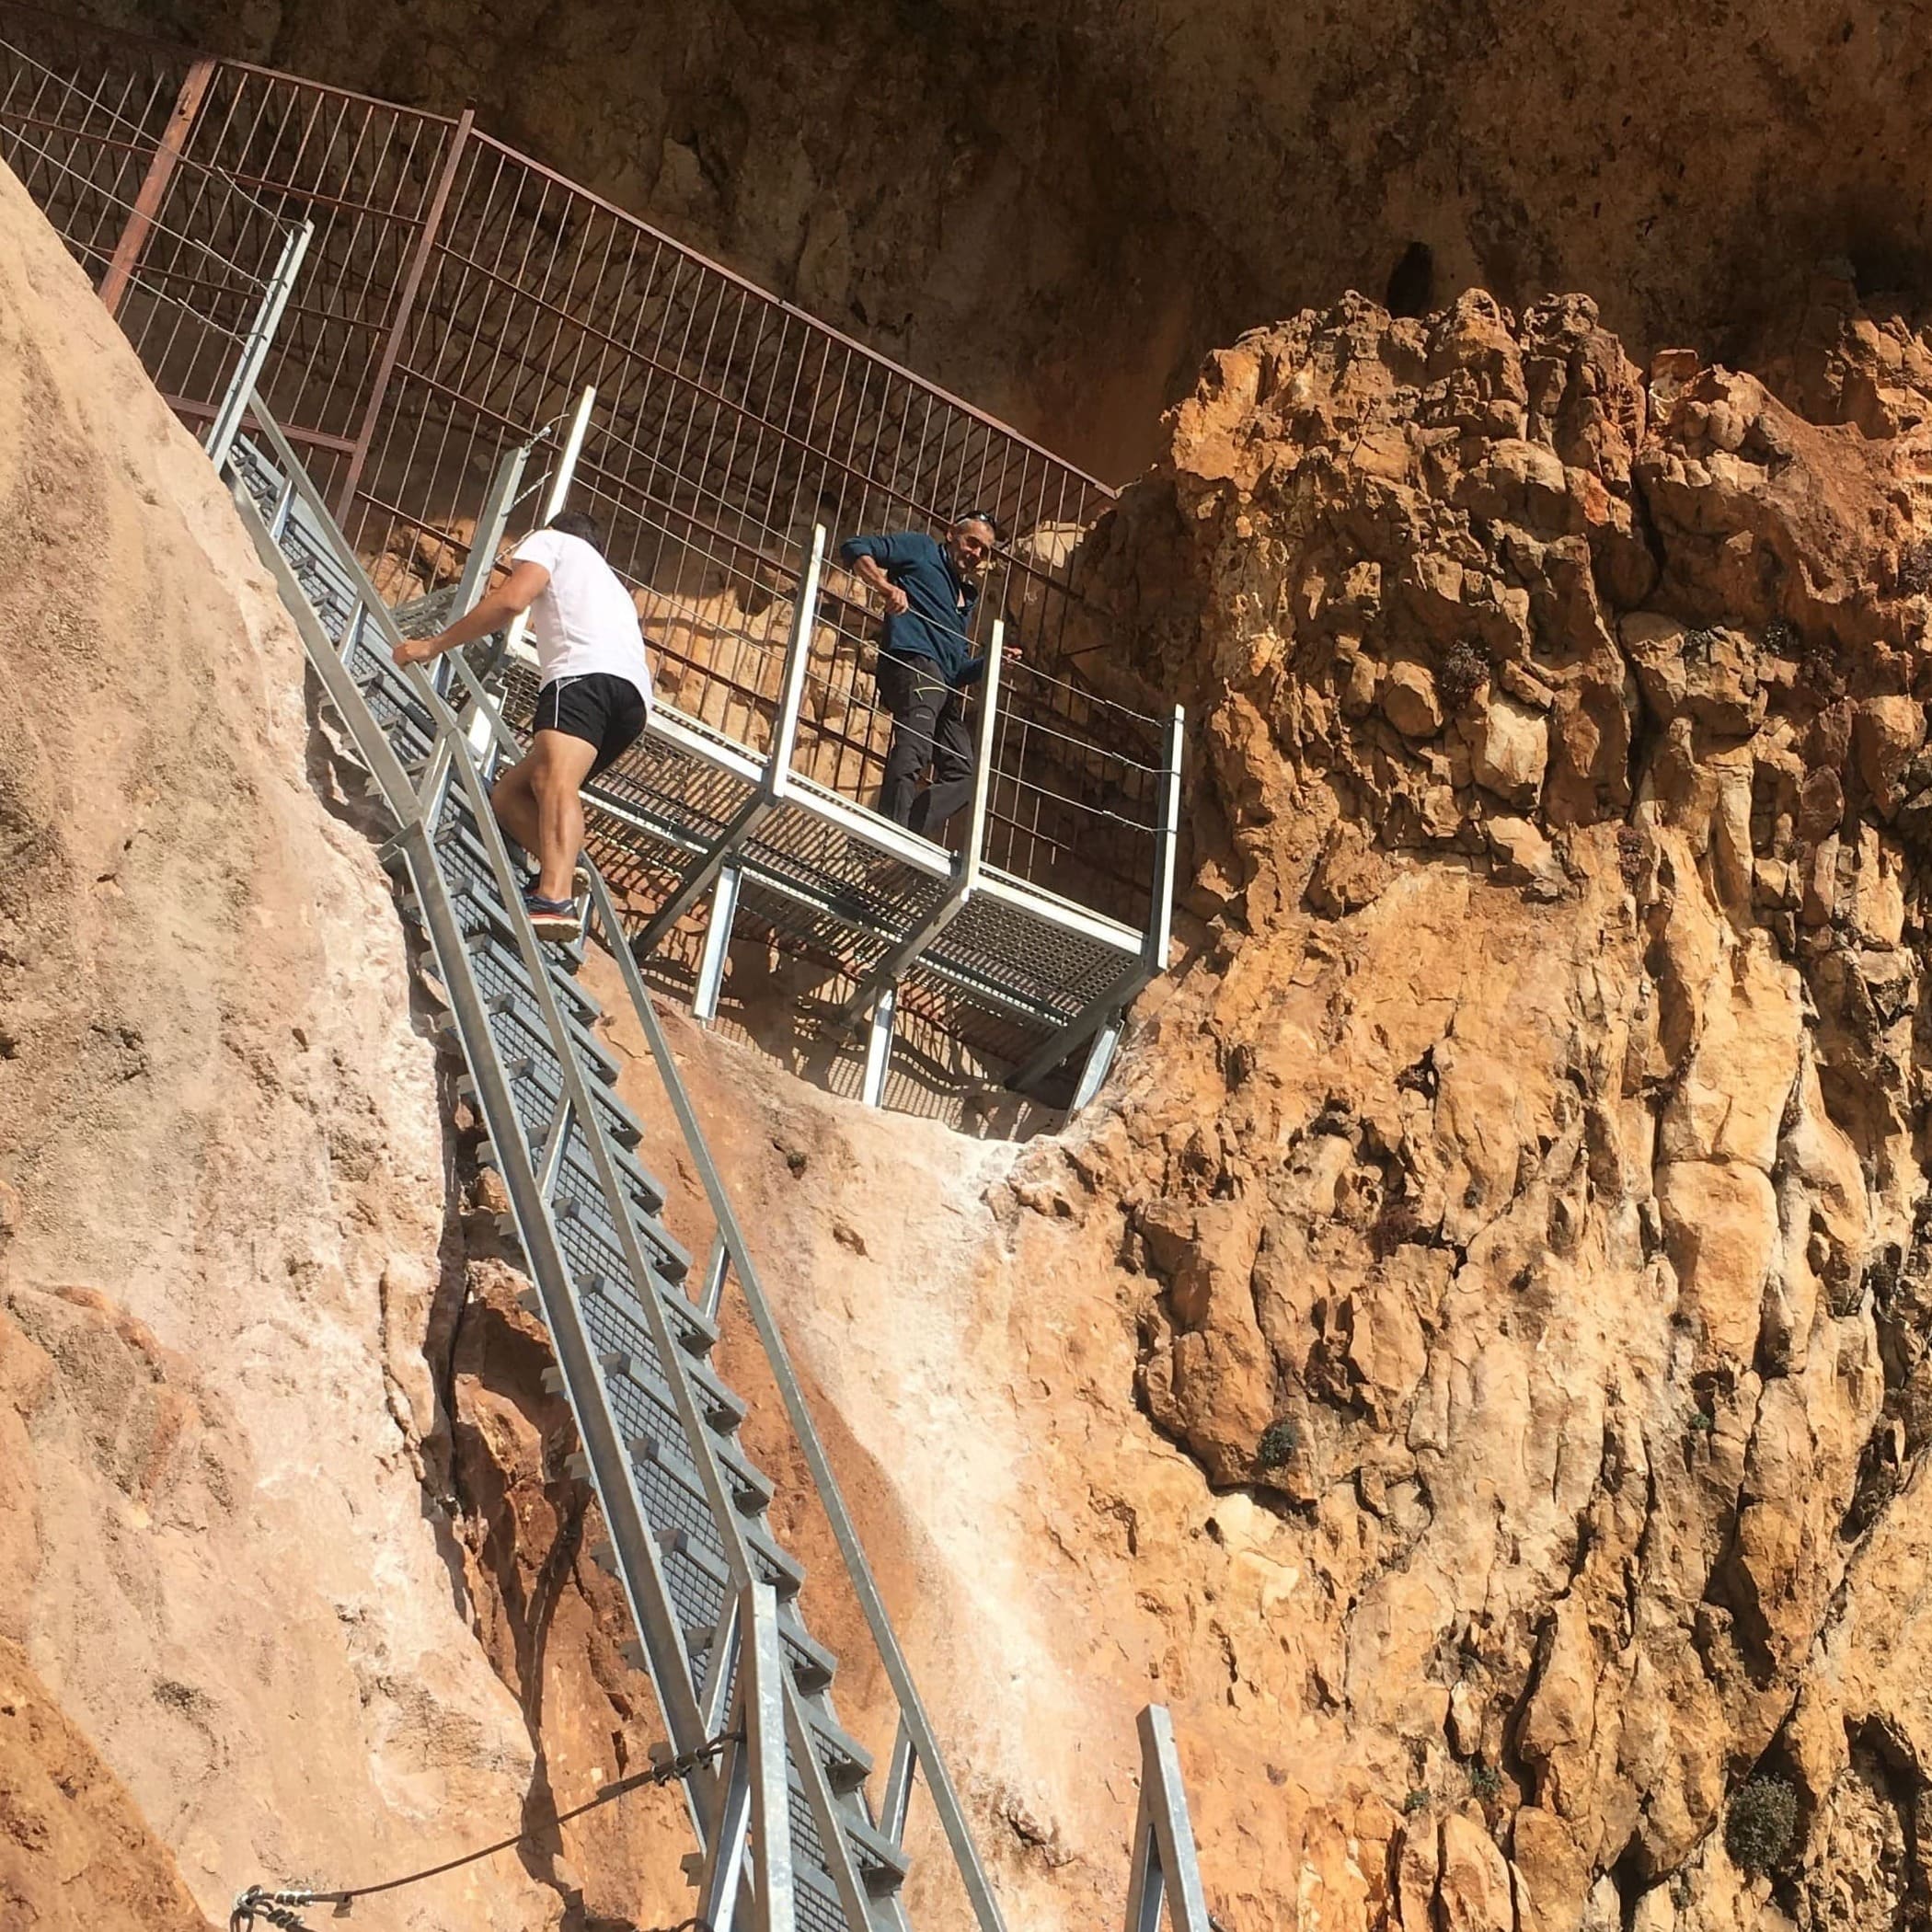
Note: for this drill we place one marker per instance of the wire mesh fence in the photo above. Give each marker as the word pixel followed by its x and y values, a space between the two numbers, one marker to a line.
pixel 187 279
pixel 457 294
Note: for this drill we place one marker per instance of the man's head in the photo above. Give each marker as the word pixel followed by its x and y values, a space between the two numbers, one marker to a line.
pixel 971 540
pixel 579 522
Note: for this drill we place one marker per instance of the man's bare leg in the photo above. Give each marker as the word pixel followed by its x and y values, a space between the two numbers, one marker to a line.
pixel 558 766
pixel 514 805
pixel 536 802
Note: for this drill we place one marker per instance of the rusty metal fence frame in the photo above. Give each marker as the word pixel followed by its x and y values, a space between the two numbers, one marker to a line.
pixel 457 294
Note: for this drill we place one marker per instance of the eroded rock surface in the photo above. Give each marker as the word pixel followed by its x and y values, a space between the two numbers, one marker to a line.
pixel 1471 1365
pixel 1524 1170
pixel 223 1211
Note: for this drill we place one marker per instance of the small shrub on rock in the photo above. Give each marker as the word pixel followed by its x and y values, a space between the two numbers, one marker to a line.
pixel 1761 1822
pixel 1915 568
pixel 1485 1781
pixel 1633 855
pixel 1462 673
pixel 1279 1442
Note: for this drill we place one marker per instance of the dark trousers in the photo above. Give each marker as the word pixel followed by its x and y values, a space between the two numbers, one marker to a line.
pixel 928 729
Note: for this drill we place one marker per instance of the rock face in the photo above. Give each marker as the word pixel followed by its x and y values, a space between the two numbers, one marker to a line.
pixel 73 1850
pixel 1057 210
pixel 1472 1365
pixel 1523 1176
pixel 221 1223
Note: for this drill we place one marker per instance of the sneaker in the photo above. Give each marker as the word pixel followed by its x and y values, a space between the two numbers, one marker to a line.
pixel 554 919
pixel 580 882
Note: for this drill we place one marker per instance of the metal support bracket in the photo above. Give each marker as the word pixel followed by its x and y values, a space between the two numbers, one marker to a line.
pixel 879 1046
pixel 718 944
pixel 1099 1058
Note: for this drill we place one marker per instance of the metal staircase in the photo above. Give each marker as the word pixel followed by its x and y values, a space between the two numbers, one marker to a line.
pixel 684 1504
pixel 634 1321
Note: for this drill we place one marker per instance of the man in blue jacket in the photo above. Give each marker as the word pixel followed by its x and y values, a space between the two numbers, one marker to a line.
pixel 925 661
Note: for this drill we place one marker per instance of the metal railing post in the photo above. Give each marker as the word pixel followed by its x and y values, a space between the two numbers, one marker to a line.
pixel 1165 1866
pixel 491 525
pixel 1167 840
pixel 154 187
pixel 561 478
pixel 983 751
pixel 256 346
pixel 763 1671
pixel 477 567
pixel 791 696
pixel 754 1813
pixel 405 307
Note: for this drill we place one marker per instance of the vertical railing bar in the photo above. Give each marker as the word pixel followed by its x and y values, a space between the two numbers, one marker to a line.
pixel 766 1682
pixel 559 494
pixel 897 1799
pixel 718 1263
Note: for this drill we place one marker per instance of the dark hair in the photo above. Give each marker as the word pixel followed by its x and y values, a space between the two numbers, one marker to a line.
pixel 579 522
pixel 980 516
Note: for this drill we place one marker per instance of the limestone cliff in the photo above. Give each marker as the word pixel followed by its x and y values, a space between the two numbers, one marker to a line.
pixel 222 1224
pixel 1057 210
pixel 1520 1191
pixel 1472 1363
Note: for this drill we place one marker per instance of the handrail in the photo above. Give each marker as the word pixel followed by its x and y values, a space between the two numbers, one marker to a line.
pixel 452 739
pixel 859 1572
pixel 623 1511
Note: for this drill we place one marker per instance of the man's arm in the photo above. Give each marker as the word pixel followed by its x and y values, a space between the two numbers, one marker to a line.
pixel 867 557
pixel 495 612
pixel 868 571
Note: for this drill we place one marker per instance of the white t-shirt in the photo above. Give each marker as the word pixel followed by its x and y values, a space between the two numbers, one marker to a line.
pixel 584 618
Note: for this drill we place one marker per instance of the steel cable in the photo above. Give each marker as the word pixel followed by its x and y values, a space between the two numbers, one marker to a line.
pixel 278 1907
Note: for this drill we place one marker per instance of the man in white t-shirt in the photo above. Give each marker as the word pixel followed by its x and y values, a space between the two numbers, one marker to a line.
pixel 593 702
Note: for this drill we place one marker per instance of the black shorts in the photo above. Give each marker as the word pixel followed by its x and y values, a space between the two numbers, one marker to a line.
pixel 599 707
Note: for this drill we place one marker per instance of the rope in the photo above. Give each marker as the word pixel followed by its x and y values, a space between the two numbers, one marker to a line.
pixel 278 1908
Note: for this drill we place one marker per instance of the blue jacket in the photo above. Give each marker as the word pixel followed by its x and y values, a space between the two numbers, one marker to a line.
pixel 939 602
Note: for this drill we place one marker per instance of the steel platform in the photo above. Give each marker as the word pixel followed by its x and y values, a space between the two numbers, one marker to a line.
pixel 698 824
